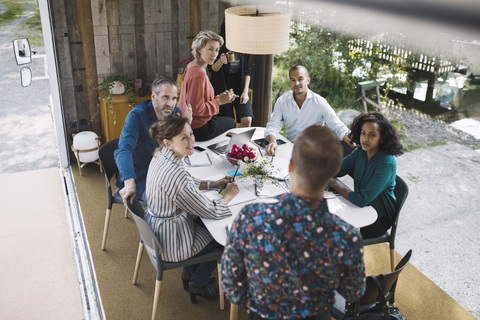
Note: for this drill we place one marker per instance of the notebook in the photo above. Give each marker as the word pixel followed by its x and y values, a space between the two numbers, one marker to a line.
pixel 198 159
pixel 238 139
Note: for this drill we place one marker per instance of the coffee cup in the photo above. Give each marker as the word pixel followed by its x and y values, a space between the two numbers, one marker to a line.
pixel 230 56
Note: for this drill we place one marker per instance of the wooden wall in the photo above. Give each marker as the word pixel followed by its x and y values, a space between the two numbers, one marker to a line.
pixel 142 38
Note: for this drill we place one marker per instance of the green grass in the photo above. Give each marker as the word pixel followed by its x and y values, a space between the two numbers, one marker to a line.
pixel 35 22
pixel 14 11
pixel 414 146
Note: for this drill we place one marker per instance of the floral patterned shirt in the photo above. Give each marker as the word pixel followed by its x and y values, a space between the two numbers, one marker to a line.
pixel 284 260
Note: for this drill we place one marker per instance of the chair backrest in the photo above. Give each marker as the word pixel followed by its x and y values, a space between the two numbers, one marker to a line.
pixel 385 283
pixel 107 158
pixel 152 245
pixel 401 193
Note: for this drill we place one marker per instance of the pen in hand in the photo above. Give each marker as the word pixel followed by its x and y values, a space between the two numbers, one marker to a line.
pixel 272 159
pixel 235 174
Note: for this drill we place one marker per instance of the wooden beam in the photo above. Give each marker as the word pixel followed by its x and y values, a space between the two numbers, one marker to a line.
pixel 140 47
pixel 262 89
pixel 195 17
pixel 90 79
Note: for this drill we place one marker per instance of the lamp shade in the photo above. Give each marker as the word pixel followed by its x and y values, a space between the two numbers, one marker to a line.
pixel 86 144
pixel 257 29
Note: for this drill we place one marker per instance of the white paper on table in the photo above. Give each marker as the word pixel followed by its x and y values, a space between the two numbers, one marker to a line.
pixel 243 196
pixel 280 168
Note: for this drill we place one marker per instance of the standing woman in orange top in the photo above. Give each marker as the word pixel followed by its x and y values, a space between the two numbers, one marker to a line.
pixel 198 92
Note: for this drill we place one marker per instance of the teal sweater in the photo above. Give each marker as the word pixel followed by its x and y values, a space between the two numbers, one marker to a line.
pixel 374 181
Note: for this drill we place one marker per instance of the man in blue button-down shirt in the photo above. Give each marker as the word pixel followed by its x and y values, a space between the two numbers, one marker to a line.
pixel 299 109
pixel 136 146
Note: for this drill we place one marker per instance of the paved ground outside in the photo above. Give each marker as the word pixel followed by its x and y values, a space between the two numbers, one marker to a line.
pixel 27 136
pixel 439 220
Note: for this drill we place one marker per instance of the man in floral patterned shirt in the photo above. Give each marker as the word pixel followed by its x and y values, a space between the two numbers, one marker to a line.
pixel 284 260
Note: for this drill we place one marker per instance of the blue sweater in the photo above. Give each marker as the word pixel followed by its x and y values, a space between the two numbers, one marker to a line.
pixel 136 146
pixel 374 181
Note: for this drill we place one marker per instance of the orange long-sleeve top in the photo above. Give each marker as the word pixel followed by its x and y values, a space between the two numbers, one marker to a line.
pixel 198 92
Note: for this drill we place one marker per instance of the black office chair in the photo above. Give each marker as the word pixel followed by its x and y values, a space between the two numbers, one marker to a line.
pixel 379 290
pixel 107 159
pixel 401 193
pixel 154 250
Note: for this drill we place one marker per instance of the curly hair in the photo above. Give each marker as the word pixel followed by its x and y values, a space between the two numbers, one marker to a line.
pixel 201 40
pixel 390 143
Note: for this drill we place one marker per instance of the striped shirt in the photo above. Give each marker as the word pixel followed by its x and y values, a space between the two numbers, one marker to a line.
pixel 174 200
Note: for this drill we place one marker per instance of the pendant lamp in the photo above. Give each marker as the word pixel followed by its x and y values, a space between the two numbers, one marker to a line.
pixel 259 30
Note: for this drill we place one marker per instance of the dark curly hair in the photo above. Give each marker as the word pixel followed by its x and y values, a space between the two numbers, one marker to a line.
pixel 390 142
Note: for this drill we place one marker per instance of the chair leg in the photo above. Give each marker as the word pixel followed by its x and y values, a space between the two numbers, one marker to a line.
pixel 220 290
pixel 126 213
pixel 137 263
pixel 105 229
pixel 392 259
pixel 155 298
pixel 233 311
pixel 79 166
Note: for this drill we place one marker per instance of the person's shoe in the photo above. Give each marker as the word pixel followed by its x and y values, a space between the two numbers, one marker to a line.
pixel 186 279
pixel 206 292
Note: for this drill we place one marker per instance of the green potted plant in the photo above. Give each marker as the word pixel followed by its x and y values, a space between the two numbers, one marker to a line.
pixel 260 171
pixel 110 84
pixel 106 87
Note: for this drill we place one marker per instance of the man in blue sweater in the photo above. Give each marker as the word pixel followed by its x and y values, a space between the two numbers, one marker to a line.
pixel 136 146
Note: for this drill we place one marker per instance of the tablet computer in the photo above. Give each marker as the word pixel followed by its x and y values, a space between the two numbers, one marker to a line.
pixel 263 142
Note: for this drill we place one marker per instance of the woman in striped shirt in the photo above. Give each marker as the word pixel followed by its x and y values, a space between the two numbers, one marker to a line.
pixel 175 203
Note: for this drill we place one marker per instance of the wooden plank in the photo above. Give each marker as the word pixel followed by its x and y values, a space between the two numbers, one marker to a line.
pixel 151 56
pixel 113 14
pixel 160 49
pixel 175 38
pixel 99 14
pixel 102 55
pixel 167 10
pixel 195 17
pixel 159 14
pixel 140 50
pixel 128 54
pixel 149 8
pixel 184 47
pixel 126 29
pixel 116 61
pixel 63 53
pixel 58 17
pixel 209 15
pixel 168 55
pixel 126 12
pixel 89 72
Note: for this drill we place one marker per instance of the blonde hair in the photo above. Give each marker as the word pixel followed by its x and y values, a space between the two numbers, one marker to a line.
pixel 201 40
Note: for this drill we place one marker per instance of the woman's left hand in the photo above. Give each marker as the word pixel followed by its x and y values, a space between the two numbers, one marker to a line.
pixel 244 98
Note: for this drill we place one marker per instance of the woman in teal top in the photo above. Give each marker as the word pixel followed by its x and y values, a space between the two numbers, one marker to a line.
pixel 373 169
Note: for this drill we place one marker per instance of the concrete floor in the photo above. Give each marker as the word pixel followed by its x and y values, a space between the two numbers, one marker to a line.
pixel 38 272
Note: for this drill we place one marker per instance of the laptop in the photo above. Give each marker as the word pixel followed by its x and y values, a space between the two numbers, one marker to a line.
pixel 238 139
